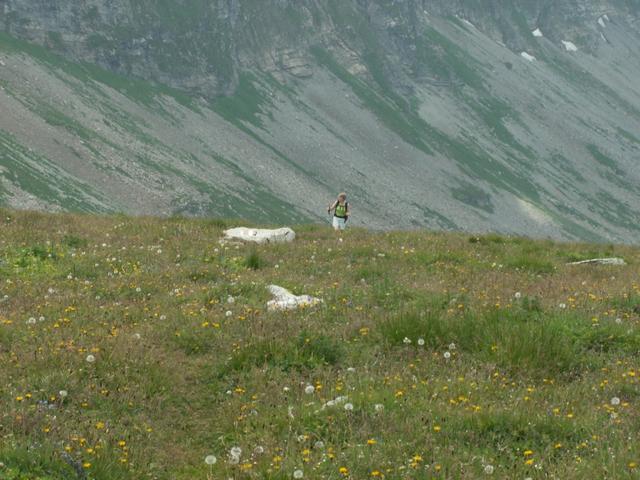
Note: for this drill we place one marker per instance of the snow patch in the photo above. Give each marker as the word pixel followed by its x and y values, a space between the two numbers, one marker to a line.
pixel 529 58
pixel 569 46
pixel 537 33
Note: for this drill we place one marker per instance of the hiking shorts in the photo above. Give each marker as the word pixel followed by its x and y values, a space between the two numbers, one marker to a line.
pixel 339 223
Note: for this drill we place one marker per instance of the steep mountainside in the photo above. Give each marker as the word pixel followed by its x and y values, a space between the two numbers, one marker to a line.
pixel 468 114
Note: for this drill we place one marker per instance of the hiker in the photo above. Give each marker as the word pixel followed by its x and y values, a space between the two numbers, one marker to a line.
pixel 340 209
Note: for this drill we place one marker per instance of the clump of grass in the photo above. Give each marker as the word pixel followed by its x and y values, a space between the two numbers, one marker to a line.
pixel 254 260
pixel 531 264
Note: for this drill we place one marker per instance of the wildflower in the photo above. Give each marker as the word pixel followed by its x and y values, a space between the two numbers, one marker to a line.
pixel 421 342
pixel 63 394
pixel 31 321
pixel 371 441
pixel 230 299
pixel 344 471
pixel 488 469
pixel 259 450
pixel 210 459
pixel 378 407
pixel 518 295
pixel 406 341
pixel 90 358
pixel 348 407
pixel 452 346
pixel 633 465
pixel 234 455
pixel 615 401
pixel 437 428
pixel 228 313
pixel 447 355
pixel 528 453
pixel 298 474
pixel 309 389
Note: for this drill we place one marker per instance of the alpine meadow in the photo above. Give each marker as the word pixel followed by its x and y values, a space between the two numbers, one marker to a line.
pixel 138 348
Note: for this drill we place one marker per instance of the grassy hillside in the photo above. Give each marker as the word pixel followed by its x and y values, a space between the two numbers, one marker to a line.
pixel 135 348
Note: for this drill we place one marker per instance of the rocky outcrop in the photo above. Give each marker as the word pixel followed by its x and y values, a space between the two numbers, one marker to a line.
pixel 202 46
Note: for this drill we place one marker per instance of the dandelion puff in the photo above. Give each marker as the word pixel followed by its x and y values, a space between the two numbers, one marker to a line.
pixel 562 306
pixel 137 336
pixel 518 295
pixel 615 401
pixel 452 346
pixel 406 341
pixel 234 455
pixel 319 445
pixel 348 407
pixel 259 450
pixel 210 460
pixel 447 355
pixel 91 358
pixel 488 469
pixel 63 393
pixel 378 407
pixel 298 474
pixel 228 313
pixel 421 342
pixel 31 321
pixel 230 299
pixel 309 389
pixel 619 321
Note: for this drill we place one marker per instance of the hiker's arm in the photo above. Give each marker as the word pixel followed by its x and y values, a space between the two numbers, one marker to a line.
pixel 332 206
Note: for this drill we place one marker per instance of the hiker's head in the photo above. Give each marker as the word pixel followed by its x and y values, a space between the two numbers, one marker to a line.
pixel 342 197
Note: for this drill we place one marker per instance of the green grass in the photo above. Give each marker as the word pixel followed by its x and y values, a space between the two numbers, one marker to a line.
pixel 431 356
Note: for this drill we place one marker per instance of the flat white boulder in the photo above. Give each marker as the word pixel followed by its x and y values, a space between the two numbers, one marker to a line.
pixel 256 235
pixel 283 299
pixel 601 261
pixel 537 33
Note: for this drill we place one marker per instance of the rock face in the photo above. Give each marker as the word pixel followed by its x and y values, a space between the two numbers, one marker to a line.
pixel 203 46
pixel 520 117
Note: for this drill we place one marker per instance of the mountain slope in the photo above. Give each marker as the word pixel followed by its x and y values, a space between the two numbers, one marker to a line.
pixel 428 113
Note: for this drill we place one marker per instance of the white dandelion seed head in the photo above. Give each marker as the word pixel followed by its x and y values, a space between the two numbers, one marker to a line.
pixel 91 358
pixel 562 306
pixel 319 445
pixel 163 317
pixel 348 407
pixel 31 321
pixel 285 389
pixel 421 342
pixel 488 469
pixel 138 289
pixel 379 407
pixel 137 336
pixel 452 346
pixel 228 313
pixel 298 474
pixel 210 459
pixel 63 393
pixel 351 370
pixel 619 321
pixel 447 355
pixel 615 401
pixel 406 341
pixel 259 450
pixel 230 299
pixel 235 452
pixel 309 389
pixel 518 295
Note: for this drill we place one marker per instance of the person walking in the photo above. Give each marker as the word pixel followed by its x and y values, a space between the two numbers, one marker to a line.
pixel 340 209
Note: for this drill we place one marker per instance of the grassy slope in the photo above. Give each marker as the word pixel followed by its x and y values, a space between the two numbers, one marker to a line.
pixel 527 388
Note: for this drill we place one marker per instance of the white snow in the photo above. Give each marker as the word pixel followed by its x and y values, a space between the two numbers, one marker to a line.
pixel 569 46
pixel 601 22
pixel 606 17
pixel 280 235
pixel 537 33
pixel 283 299
pixel 528 57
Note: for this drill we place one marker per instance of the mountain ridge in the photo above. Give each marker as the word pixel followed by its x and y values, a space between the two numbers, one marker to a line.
pixel 426 112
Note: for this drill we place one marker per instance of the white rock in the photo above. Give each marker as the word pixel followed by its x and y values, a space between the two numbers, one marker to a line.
pixel 601 261
pixel 280 235
pixel 285 300
pixel 527 57
pixel 601 22
pixel 569 46
pixel 537 33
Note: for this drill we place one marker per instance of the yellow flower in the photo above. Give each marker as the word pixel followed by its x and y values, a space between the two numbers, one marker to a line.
pixel 371 441
pixel 529 462
pixel 344 471
pixel 528 453
pixel 437 428
pixel 100 426
pixel 633 465
pixel 376 473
